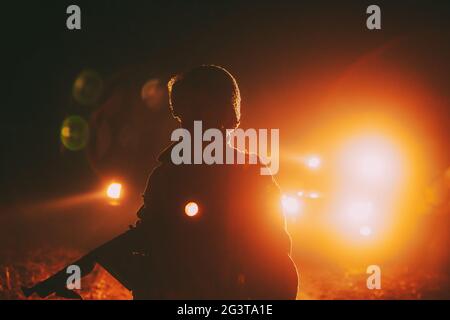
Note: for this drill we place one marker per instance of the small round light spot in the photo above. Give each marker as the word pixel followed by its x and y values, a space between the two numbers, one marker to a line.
pixel 191 209
pixel 114 190
pixel 313 162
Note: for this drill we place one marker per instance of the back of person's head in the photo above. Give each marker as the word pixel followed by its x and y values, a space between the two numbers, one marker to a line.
pixel 208 93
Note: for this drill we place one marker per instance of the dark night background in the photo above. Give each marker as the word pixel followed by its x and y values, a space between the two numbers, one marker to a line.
pixel 260 41
pixel 267 46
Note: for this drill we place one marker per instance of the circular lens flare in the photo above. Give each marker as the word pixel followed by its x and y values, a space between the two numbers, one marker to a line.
pixel 191 209
pixel 87 87
pixel 114 191
pixel 74 133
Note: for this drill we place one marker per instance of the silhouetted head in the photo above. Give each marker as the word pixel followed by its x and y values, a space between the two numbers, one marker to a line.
pixel 208 93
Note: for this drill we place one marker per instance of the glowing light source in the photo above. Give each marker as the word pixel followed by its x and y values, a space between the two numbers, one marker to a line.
pixel 372 164
pixel 314 195
pixel 290 204
pixel 370 170
pixel 365 231
pixel 357 213
pixel 313 162
pixel 359 210
pixel 191 209
pixel 114 191
pixel 372 160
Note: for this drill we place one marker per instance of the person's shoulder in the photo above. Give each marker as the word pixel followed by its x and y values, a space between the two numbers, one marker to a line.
pixel 158 175
pixel 165 155
pixel 256 172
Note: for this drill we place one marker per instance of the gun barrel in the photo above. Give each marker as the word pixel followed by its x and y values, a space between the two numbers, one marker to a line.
pixel 113 256
pixel 58 282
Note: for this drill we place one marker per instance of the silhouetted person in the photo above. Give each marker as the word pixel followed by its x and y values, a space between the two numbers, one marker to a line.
pixel 234 247
pixel 237 246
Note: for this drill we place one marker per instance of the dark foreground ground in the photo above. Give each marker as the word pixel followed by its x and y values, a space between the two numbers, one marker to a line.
pixel 36 244
pixel 316 283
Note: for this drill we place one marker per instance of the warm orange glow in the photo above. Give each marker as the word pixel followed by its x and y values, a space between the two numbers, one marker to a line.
pixel 372 159
pixel 291 205
pixel 191 209
pixel 365 231
pixel 114 190
pixel 313 162
pixel 380 153
pixel 314 195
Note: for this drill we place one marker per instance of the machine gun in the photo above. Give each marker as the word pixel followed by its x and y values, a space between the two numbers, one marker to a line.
pixel 116 256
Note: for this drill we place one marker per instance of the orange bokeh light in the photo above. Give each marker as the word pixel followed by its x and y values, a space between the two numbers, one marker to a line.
pixel 191 209
pixel 114 190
